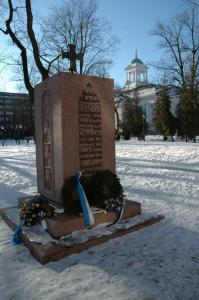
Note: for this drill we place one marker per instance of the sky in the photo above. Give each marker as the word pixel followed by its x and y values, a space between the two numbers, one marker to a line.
pixel 131 21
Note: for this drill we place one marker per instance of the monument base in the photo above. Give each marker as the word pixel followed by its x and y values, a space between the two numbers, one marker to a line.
pixel 53 251
pixel 63 224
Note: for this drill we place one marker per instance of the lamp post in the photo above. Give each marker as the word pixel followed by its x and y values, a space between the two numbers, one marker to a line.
pixel 18 133
pixel 3 135
pixel 143 124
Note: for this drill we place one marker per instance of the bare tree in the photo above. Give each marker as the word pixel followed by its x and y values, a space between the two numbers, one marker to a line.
pixel 37 47
pixel 11 33
pixel 10 30
pixel 19 37
pixel 119 99
pixel 76 22
pixel 180 40
pixel 25 41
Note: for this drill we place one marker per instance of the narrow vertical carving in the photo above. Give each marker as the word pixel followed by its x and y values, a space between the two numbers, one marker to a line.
pixel 47 143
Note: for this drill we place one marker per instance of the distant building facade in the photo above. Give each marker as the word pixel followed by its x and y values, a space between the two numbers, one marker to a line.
pixel 16 116
pixel 147 93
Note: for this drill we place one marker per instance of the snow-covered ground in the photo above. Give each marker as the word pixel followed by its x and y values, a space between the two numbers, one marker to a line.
pixel 157 263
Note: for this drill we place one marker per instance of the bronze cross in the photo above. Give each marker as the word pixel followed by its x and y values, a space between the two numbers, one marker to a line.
pixel 72 56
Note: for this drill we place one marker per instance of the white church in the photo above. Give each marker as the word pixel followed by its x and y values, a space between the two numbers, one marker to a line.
pixel 137 82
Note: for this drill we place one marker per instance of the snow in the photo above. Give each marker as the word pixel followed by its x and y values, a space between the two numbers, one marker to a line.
pixel 157 263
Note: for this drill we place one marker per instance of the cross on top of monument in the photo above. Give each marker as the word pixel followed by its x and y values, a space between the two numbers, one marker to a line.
pixel 72 56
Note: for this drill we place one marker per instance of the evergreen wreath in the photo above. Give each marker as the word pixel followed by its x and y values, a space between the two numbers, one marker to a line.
pixel 106 189
pixel 70 197
pixel 103 190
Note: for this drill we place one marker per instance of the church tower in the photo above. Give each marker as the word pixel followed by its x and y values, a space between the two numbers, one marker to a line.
pixel 136 73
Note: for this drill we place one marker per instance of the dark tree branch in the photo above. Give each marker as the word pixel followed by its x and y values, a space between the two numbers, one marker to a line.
pixel 51 62
pixel 4 31
pixel 44 72
pixel 21 47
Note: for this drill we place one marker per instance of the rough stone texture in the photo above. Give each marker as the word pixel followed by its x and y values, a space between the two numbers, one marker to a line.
pixel 74 120
pixel 63 224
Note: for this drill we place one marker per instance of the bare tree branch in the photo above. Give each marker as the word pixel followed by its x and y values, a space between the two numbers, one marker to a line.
pixel 44 72
pixel 180 39
pixel 76 22
pixel 20 46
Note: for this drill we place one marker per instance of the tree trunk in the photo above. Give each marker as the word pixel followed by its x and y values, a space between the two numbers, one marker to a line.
pixel 43 71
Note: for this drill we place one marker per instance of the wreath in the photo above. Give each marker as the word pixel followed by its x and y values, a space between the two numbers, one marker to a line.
pixel 103 190
pixel 106 189
pixel 70 197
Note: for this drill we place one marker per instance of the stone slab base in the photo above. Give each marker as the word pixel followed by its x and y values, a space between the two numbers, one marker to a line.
pixel 45 253
pixel 63 224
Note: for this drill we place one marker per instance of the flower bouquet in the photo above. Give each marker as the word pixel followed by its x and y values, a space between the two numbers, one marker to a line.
pixel 34 211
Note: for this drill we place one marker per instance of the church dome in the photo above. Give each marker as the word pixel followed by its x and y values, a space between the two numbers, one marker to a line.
pixel 136 73
pixel 137 61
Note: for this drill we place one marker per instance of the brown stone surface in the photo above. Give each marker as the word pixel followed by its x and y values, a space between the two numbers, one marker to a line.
pixel 53 252
pixel 74 120
pixel 63 224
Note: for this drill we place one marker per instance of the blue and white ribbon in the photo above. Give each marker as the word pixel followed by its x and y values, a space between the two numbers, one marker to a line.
pixel 119 214
pixel 16 239
pixel 87 213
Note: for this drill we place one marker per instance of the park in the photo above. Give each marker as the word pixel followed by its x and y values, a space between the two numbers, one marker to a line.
pixel 98 180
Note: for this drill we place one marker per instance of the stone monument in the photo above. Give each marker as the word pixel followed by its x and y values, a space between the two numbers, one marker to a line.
pixel 74 130
pixel 74 120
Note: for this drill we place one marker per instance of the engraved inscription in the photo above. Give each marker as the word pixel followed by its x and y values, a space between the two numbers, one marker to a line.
pixel 47 143
pixel 90 131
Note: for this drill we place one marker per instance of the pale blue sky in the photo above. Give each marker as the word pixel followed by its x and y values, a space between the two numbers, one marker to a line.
pixel 131 21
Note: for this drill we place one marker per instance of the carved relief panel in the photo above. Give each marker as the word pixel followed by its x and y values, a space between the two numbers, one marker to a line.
pixel 47 143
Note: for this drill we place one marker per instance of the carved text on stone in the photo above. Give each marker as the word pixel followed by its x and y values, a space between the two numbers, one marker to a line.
pixel 90 131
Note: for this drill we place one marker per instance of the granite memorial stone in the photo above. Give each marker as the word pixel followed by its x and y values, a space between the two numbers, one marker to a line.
pixel 74 120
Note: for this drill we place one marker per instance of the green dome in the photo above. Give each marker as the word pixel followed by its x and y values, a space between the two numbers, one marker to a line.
pixel 137 61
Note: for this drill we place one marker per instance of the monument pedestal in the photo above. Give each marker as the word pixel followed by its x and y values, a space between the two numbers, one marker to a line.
pixel 63 224
pixel 51 251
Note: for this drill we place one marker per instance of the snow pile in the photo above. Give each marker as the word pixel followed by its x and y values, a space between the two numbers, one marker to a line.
pixel 158 262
